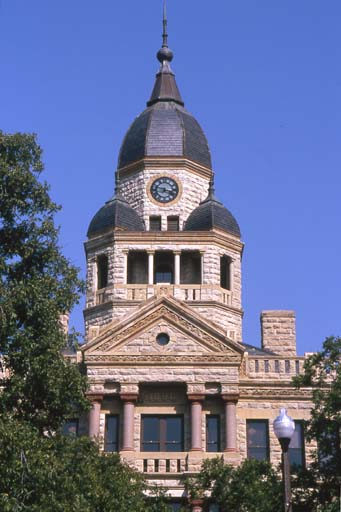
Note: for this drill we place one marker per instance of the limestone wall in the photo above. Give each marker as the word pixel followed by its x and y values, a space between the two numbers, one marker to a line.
pixel 193 190
pixel 279 331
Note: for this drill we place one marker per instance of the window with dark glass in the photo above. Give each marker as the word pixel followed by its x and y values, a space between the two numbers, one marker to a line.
pixel 102 271
pixel 212 433
pixel 225 271
pixel 70 428
pixel 137 271
pixel 164 267
pixel 296 447
pixel 111 433
pixel 172 223
pixel 162 433
pixel 257 433
pixel 154 223
pixel 190 267
pixel 329 444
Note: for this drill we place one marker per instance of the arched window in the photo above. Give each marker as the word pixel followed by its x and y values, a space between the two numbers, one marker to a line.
pixel 102 271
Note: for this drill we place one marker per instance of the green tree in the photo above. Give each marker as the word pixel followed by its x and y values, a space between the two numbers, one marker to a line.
pixel 64 474
pixel 254 486
pixel 42 470
pixel 37 284
pixel 322 372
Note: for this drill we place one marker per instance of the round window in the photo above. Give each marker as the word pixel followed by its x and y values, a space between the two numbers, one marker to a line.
pixel 162 339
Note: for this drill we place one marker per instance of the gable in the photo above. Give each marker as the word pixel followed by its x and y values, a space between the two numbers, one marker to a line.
pixel 189 333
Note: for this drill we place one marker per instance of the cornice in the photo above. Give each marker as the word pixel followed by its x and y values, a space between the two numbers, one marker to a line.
pixel 165 163
pixel 215 304
pixel 217 237
pixel 119 360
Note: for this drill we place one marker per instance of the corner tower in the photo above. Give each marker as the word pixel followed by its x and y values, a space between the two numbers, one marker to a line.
pixel 164 233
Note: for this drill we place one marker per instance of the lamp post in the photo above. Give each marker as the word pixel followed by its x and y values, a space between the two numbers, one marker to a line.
pixel 284 428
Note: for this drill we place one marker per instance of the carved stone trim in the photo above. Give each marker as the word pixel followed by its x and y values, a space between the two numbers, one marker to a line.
pixel 196 397
pixel 129 397
pixel 172 317
pixel 94 397
pixel 230 398
pixel 275 394
pixel 144 359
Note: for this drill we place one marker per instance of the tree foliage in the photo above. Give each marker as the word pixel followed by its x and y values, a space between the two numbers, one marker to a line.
pixel 37 284
pixel 64 474
pixel 254 486
pixel 321 481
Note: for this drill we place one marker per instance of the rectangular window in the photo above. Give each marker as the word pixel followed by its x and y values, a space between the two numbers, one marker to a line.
pixel 111 433
pixel 225 272
pixel 172 223
pixel 212 433
pixel 256 366
pixel 276 366
pixel 287 366
pixel 257 433
pixel 102 271
pixel 266 366
pixel 162 433
pixel 155 223
pixel 296 447
pixel 297 367
pixel 70 428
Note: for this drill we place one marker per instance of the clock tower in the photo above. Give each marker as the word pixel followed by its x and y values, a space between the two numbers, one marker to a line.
pixel 171 380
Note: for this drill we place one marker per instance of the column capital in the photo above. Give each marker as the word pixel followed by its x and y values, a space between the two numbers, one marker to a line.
pixel 129 397
pixel 232 398
pixel 150 251
pixel 177 252
pixel 94 397
pixel 125 251
pixel 202 252
pixel 196 397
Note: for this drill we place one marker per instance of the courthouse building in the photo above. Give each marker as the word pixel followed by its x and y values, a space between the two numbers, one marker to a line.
pixel 172 382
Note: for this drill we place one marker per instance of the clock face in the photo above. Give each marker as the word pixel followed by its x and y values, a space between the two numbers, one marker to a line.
pixel 164 189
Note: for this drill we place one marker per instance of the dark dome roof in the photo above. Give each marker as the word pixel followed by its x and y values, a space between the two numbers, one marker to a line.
pixel 165 129
pixel 115 214
pixel 210 214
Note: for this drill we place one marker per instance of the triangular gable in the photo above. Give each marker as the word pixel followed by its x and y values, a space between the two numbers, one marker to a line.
pixel 174 313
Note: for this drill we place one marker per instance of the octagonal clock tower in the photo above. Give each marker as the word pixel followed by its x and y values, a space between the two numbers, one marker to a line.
pixel 164 352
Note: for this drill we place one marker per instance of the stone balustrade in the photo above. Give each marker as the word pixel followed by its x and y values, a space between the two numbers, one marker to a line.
pixel 274 367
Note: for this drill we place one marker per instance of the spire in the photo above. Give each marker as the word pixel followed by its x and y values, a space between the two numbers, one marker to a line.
pixel 165 23
pixel 165 88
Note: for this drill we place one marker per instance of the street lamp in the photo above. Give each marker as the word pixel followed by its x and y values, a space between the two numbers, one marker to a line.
pixel 284 428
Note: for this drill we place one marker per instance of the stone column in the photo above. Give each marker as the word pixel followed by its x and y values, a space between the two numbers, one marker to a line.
pixel 196 421
pixel 202 254
pixel 197 505
pixel 230 422
pixel 177 267
pixel 94 414
pixel 150 267
pixel 125 266
pixel 128 421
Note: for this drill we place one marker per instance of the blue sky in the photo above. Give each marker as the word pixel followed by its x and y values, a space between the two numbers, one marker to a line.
pixel 264 80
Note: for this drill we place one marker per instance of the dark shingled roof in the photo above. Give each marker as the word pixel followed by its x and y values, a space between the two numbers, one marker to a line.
pixel 165 129
pixel 257 351
pixel 115 214
pixel 210 214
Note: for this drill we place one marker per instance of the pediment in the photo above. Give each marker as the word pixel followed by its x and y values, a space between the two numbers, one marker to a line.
pixel 190 335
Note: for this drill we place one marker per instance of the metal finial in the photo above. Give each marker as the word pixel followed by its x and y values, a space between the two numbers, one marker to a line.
pixel 211 190
pixel 165 54
pixel 165 23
